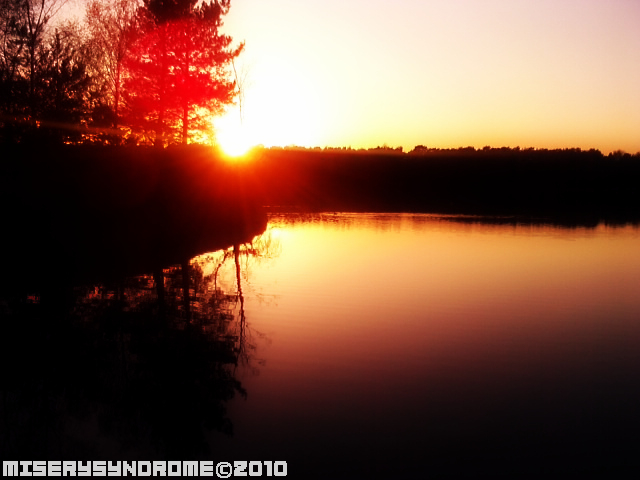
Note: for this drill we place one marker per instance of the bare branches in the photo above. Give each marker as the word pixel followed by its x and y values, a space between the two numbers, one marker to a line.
pixel 111 25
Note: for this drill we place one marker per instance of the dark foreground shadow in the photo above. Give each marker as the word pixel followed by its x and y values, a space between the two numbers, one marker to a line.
pixel 91 214
pixel 141 367
pixel 113 342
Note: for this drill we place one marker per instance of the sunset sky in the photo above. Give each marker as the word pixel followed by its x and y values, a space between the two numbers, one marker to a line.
pixel 442 73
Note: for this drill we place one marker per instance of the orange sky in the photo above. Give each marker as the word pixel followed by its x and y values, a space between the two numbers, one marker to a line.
pixel 442 73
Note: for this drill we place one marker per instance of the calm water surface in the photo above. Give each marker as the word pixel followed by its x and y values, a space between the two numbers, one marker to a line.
pixel 347 345
pixel 407 343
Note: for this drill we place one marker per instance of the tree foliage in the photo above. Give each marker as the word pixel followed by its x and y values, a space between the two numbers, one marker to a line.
pixel 43 81
pixel 179 69
pixel 61 87
pixel 13 46
pixel 151 71
pixel 111 25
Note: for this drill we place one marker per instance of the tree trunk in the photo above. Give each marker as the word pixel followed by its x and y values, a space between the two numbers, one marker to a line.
pixel 185 101
pixel 185 124
pixel 117 95
pixel 163 87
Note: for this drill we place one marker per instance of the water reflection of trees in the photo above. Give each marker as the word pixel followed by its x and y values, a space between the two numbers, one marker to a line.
pixel 212 299
pixel 141 366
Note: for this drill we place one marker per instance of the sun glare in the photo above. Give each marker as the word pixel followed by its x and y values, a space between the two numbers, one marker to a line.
pixel 274 113
pixel 234 145
pixel 231 136
pixel 233 141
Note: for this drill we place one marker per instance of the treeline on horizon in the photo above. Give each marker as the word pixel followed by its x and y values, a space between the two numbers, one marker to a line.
pixel 540 182
pixel 421 150
pixel 129 72
pixel 495 181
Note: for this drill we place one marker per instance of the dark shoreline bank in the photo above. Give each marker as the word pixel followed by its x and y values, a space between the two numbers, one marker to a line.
pixel 142 193
pixel 100 212
pixel 565 187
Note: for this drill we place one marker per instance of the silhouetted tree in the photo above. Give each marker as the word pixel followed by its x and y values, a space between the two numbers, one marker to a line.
pixel 61 86
pixel 12 44
pixel 111 25
pixel 13 86
pixel 179 68
pixel 42 74
pixel 34 15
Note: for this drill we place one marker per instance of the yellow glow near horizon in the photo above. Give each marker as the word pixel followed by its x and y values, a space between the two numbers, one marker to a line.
pixel 232 139
pixel 280 110
pixel 443 73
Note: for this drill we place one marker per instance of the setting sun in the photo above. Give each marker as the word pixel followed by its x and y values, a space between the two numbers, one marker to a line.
pixel 548 74
pixel 234 143
pixel 279 109
pixel 231 136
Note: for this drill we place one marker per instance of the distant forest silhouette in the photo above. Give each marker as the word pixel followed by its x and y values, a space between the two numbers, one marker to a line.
pixel 192 184
pixel 582 185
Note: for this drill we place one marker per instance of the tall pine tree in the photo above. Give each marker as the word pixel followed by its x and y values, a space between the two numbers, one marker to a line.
pixel 178 72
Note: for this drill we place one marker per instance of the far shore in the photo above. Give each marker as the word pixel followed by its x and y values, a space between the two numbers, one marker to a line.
pixel 185 185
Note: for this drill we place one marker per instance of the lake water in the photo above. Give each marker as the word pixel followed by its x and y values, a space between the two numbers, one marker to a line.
pixel 365 346
pixel 404 343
